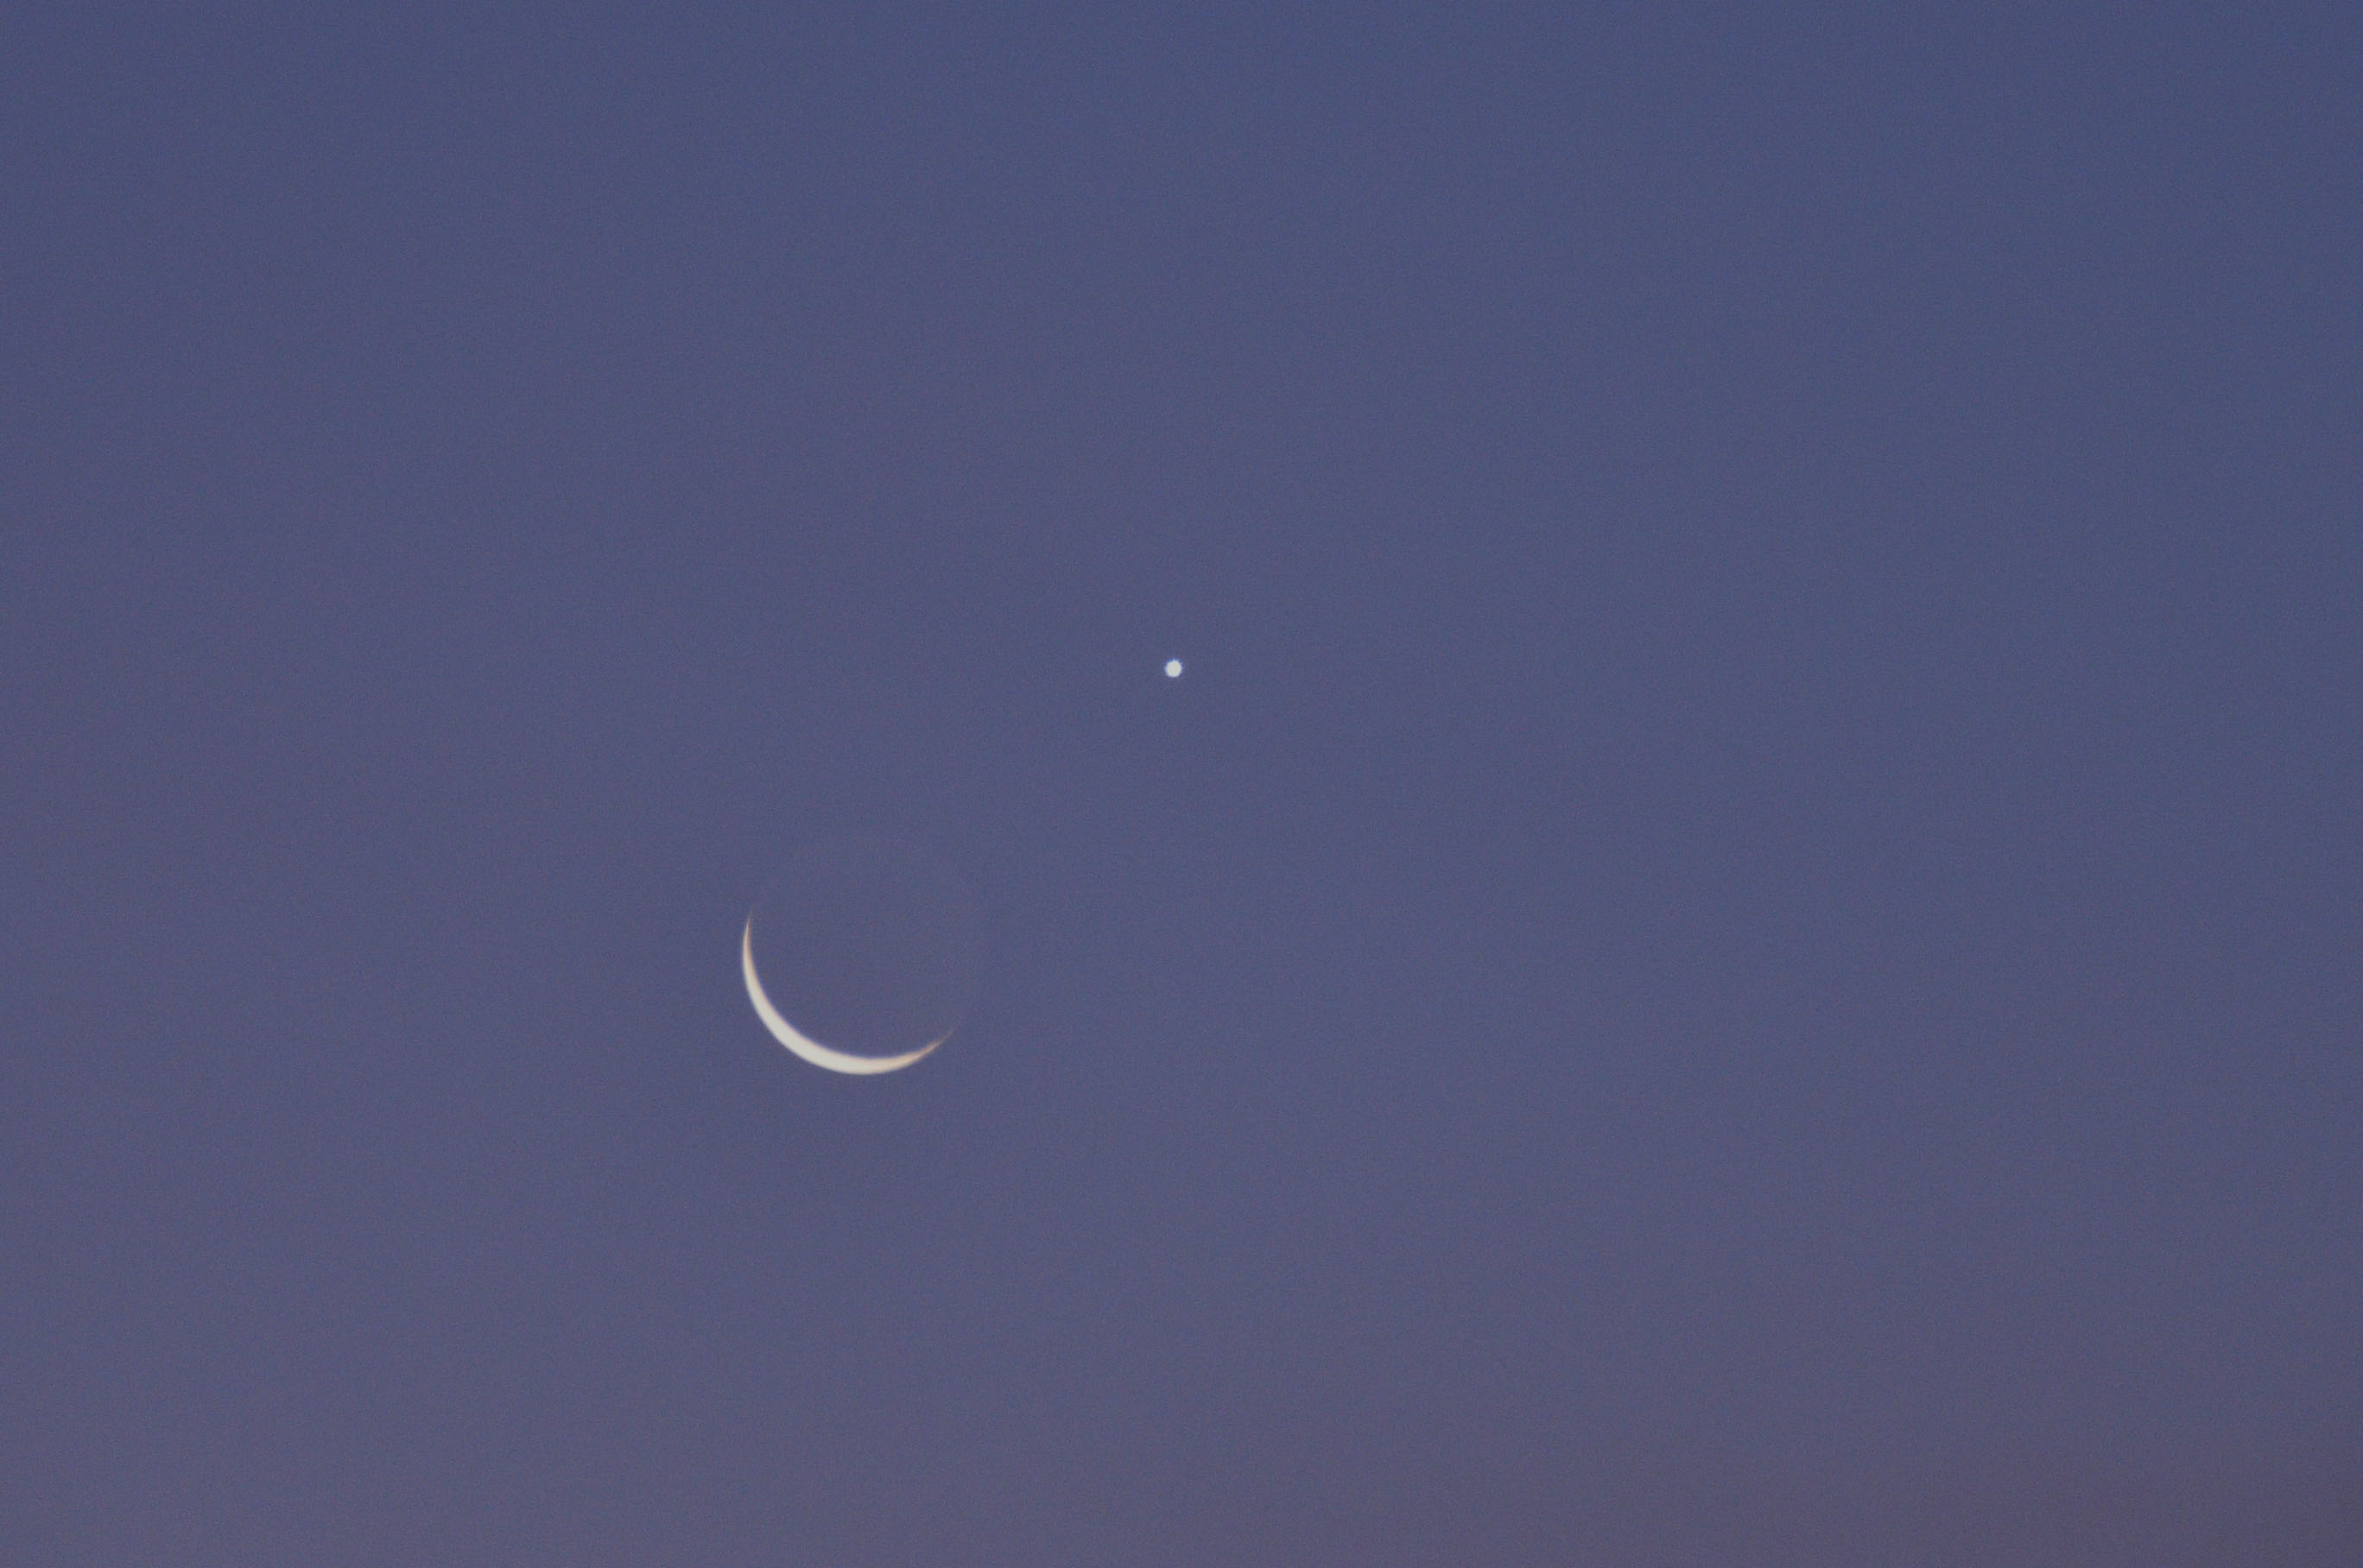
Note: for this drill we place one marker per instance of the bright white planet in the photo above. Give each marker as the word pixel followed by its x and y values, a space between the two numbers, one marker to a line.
pixel 1174 669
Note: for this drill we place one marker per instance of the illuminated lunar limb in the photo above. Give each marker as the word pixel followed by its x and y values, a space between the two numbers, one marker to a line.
pixel 812 1050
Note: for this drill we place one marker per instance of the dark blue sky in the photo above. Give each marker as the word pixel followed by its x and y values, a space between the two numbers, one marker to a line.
pixel 1740 945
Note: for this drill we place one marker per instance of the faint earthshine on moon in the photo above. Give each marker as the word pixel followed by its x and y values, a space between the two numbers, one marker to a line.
pixel 861 957
pixel 1174 669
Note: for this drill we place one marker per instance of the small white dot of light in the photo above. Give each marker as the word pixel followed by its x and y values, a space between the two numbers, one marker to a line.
pixel 1174 669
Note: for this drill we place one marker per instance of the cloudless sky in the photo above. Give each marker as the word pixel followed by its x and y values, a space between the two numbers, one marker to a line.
pixel 1739 945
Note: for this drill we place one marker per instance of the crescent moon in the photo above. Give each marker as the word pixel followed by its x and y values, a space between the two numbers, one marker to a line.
pixel 811 1050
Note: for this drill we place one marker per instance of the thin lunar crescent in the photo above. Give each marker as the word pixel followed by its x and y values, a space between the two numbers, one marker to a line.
pixel 813 1050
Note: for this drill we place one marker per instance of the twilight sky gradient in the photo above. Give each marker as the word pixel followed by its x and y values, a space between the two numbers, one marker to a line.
pixel 1742 944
